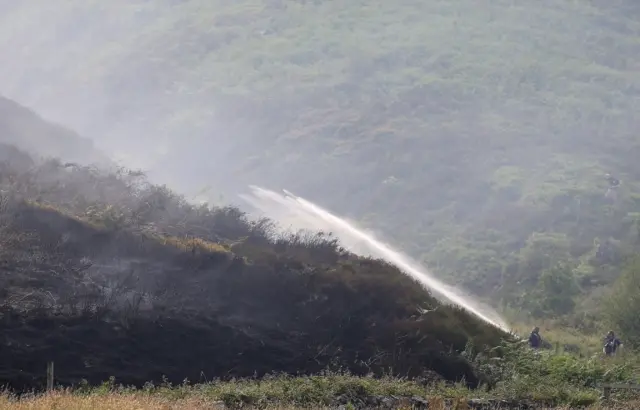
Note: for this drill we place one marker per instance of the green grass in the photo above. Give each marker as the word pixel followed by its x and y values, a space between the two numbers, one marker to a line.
pixel 537 377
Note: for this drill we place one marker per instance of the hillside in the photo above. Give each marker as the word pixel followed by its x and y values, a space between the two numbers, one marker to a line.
pixel 21 127
pixel 473 134
pixel 108 275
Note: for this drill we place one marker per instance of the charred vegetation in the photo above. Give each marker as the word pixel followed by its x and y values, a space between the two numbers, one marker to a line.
pixel 109 275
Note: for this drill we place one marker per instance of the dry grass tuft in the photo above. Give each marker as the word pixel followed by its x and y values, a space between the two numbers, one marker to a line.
pixel 113 401
pixel 65 400
pixel 189 244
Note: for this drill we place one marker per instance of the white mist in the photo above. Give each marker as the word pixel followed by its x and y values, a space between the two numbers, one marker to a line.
pixel 289 209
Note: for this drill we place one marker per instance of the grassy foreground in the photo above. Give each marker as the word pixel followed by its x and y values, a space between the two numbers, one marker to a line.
pixel 540 379
pixel 142 401
pixel 129 402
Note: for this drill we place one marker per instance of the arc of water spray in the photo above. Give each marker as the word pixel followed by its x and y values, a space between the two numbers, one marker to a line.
pixel 386 252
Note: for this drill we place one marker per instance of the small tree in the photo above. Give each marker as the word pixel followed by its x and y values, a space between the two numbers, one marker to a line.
pixel 555 291
pixel 623 304
pixel 542 251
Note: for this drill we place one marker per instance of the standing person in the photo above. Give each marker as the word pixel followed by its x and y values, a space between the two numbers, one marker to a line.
pixel 614 183
pixel 611 344
pixel 535 341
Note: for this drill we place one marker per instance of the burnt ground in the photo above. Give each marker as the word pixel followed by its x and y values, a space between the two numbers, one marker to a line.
pixel 108 276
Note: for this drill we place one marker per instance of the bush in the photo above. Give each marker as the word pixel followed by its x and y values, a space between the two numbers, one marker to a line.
pixel 623 304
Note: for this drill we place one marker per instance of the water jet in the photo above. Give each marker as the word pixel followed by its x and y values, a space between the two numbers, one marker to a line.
pixel 288 208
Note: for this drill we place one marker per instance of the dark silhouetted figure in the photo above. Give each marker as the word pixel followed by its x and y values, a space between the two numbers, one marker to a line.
pixel 611 344
pixel 535 341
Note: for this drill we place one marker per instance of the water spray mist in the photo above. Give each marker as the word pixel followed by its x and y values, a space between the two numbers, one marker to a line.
pixel 301 213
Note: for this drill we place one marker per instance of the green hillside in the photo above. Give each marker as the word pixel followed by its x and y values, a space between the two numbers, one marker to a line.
pixel 473 134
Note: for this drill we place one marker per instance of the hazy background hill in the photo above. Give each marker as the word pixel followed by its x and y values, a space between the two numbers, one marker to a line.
pixel 21 127
pixel 473 133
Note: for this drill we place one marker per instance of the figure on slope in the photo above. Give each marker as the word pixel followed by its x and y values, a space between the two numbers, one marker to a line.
pixel 612 191
pixel 535 340
pixel 611 344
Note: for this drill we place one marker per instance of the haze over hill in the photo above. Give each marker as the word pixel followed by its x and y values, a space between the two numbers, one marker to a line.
pixel 473 133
